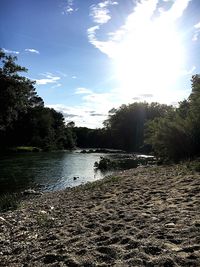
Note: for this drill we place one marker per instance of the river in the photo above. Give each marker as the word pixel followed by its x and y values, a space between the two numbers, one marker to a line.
pixel 47 171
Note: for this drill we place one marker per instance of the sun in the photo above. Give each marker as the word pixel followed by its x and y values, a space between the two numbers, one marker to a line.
pixel 149 58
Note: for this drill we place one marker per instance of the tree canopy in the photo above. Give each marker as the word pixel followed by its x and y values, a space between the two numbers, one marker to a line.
pixel 23 118
pixel 176 135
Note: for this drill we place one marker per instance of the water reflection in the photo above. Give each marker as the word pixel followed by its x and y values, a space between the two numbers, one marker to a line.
pixel 47 171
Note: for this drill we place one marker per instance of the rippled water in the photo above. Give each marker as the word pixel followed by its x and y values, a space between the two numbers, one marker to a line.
pixel 47 171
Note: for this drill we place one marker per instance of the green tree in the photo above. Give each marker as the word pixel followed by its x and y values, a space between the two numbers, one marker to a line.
pixel 176 136
pixel 17 93
pixel 127 124
pixel 23 118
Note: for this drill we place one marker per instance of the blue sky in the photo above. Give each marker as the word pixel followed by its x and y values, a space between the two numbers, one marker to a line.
pixel 88 56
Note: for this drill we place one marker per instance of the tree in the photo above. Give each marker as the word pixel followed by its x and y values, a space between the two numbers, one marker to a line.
pixel 127 124
pixel 17 93
pixel 23 118
pixel 176 136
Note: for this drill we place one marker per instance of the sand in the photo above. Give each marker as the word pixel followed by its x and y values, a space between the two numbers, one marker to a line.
pixel 141 217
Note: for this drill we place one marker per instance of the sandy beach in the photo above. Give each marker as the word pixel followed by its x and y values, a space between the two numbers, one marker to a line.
pixel 140 217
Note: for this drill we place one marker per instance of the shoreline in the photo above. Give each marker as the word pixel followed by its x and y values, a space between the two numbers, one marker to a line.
pixel 139 217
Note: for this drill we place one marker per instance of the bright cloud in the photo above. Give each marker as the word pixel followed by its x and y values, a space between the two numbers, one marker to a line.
pixel 31 50
pixel 69 8
pixel 10 51
pixel 108 47
pixel 56 85
pixel 82 90
pixel 95 106
pixel 197 32
pixel 146 51
pixel 82 115
pixel 49 78
pixel 100 12
pixel 189 72
pixel 61 73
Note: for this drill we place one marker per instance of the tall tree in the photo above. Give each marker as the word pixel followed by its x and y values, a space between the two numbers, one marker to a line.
pixel 23 118
pixel 176 136
pixel 17 93
pixel 127 123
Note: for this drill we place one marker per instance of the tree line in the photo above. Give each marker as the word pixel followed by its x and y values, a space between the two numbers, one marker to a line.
pixel 24 121
pixel 176 136
pixel 171 133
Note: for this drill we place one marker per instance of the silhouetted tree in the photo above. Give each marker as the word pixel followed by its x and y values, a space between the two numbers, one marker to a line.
pixel 23 118
pixel 176 136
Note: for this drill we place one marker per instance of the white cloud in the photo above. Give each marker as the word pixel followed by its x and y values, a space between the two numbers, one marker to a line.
pixel 107 47
pixel 197 26
pixel 82 90
pixel 177 9
pixel 100 12
pixel 188 72
pixel 49 78
pixel 56 86
pixel 31 50
pixel 61 73
pixel 82 115
pixel 10 51
pixel 197 32
pixel 95 106
pixel 136 23
pixel 74 77
pixel 69 8
pixel 141 15
pixel 143 48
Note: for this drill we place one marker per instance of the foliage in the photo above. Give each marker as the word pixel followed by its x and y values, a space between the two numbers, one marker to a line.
pixel 172 133
pixel 93 138
pixel 70 136
pixel 17 93
pixel 124 128
pixel 123 162
pixel 176 136
pixel 24 121
pixel 127 124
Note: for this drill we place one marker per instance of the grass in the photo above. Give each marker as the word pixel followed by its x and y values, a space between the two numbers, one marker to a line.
pixel 9 202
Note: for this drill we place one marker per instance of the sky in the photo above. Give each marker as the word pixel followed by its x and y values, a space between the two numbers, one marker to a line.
pixel 89 56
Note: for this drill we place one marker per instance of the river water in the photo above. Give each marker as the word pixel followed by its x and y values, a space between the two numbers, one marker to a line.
pixel 47 171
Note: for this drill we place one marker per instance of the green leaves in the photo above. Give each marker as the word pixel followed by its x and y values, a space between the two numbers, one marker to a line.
pixel 24 121
pixel 176 136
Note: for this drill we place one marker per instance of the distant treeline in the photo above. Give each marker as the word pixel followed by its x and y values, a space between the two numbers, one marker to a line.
pixel 168 132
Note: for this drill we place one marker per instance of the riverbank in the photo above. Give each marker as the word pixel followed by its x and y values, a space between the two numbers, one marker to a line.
pixel 141 217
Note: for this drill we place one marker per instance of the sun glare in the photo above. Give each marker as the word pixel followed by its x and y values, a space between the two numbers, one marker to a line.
pixel 149 58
